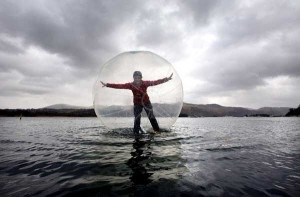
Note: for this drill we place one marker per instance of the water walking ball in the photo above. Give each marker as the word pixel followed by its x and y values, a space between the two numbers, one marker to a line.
pixel 114 107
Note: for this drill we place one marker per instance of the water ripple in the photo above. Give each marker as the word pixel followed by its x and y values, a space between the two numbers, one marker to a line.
pixel 196 157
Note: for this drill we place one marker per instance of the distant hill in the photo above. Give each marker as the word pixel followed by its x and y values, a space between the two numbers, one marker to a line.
pixel 47 112
pixel 274 111
pixel 65 106
pixel 215 110
pixel 188 110
pixel 294 111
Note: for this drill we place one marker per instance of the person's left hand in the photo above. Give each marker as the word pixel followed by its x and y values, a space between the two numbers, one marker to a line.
pixel 169 78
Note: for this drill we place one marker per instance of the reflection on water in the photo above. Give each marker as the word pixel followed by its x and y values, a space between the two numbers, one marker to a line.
pixel 197 157
pixel 140 158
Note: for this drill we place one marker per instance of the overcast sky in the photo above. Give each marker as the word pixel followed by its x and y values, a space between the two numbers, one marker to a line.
pixel 233 53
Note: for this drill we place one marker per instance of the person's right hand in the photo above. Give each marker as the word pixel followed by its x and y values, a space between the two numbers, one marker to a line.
pixel 169 78
pixel 103 84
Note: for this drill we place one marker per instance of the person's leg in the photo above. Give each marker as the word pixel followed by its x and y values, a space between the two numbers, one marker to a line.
pixel 149 110
pixel 137 109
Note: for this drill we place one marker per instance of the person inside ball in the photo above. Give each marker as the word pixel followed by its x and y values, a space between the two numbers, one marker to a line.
pixel 141 99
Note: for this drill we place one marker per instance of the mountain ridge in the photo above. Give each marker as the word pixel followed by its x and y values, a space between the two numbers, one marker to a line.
pixel 216 110
pixel 188 110
pixel 65 106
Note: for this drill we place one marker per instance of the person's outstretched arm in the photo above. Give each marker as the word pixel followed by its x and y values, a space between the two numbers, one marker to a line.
pixel 116 86
pixel 159 81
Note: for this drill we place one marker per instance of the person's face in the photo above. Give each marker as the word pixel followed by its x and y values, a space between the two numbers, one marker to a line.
pixel 137 78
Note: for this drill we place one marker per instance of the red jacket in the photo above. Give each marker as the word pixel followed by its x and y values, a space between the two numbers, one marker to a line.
pixel 140 95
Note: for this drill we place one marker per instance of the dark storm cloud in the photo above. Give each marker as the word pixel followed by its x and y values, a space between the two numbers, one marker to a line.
pixel 168 29
pixel 63 42
pixel 31 64
pixel 7 46
pixel 242 72
pixel 260 21
pixel 152 32
pixel 54 43
pixel 49 44
pixel 248 69
pixel 23 91
pixel 79 30
pixel 254 42
pixel 159 30
pixel 201 11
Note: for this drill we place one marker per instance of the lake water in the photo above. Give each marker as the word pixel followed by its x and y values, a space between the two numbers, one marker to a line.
pixel 197 157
